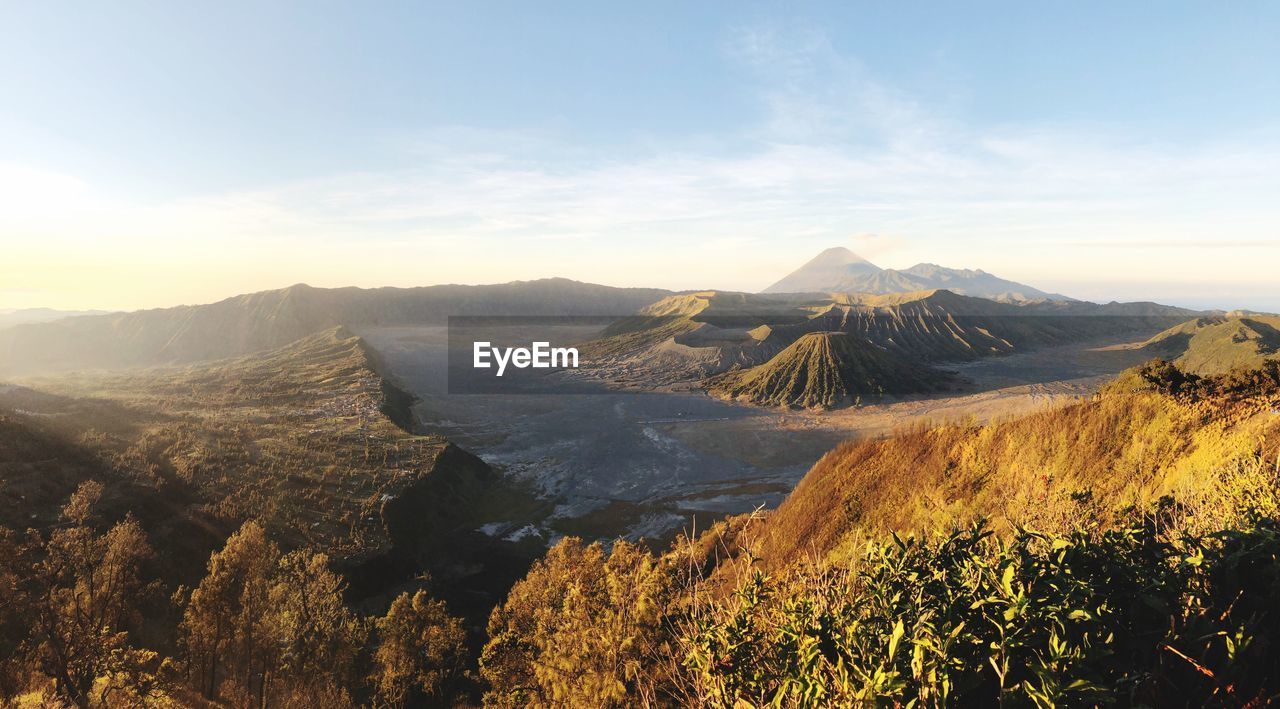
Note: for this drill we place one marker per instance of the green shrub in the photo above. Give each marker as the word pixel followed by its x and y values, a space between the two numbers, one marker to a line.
pixel 967 619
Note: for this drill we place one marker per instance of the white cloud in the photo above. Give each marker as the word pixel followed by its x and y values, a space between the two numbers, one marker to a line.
pixel 838 155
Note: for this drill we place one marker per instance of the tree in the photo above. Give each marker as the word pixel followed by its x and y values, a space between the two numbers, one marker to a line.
pixel 224 624
pixel 13 617
pixel 263 628
pixel 582 629
pixel 317 638
pixel 421 652
pixel 81 598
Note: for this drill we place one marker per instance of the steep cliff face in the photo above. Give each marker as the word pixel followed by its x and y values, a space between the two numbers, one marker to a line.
pixel 432 525
pixel 436 504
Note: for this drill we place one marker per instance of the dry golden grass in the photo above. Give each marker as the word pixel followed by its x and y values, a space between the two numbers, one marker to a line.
pixel 1084 464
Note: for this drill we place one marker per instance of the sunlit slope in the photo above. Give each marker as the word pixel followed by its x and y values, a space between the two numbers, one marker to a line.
pixel 1213 345
pixel 1138 440
pixel 261 321
pixel 826 370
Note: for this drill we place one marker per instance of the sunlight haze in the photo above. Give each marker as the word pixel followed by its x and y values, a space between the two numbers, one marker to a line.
pixel 665 145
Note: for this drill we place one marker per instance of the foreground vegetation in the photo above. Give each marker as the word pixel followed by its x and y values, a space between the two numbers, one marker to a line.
pixel 263 628
pixel 1121 550
pixel 1142 614
pixel 1136 562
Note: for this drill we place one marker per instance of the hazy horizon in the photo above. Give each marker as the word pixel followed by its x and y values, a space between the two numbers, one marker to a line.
pixel 162 155
pixel 1262 301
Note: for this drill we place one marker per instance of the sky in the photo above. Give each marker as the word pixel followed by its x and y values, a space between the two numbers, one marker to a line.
pixel 159 153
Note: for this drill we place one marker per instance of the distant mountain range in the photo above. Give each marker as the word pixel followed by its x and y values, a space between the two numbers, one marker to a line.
pixel 807 350
pixel 23 316
pixel 839 270
pixel 261 321
pixel 838 330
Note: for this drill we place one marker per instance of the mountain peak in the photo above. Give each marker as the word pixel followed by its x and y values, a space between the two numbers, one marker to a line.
pixel 834 265
pixel 838 254
pixel 839 270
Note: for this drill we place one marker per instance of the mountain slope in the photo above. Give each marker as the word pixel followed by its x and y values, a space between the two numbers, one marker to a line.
pixel 308 439
pixel 1217 344
pixel 825 370
pixel 839 270
pixel 1130 445
pixel 927 276
pixel 261 321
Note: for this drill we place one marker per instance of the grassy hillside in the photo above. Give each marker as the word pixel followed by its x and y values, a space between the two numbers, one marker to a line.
pixel 1214 345
pixel 826 370
pixel 270 319
pixel 1136 441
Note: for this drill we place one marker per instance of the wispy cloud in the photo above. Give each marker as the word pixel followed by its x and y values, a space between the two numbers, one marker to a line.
pixel 837 154
pixel 1158 244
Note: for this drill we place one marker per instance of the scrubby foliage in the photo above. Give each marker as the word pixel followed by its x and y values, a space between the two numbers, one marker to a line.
pixel 261 624
pixel 1149 613
pixel 1118 617
pixel 1145 614
pixel 1171 380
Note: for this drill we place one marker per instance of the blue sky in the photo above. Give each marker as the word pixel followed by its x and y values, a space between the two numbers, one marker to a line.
pixel 158 153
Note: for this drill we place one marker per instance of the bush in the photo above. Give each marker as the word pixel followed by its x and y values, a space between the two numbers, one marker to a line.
pixel 966 619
